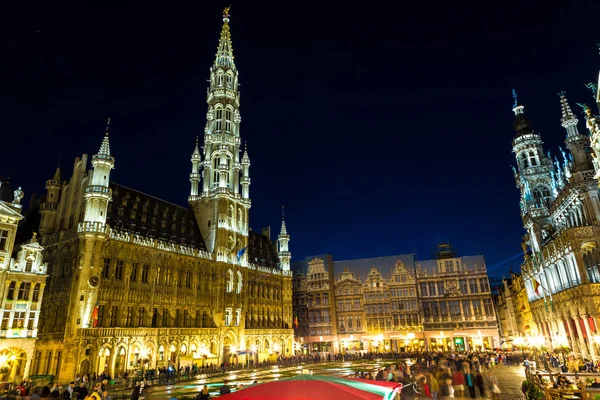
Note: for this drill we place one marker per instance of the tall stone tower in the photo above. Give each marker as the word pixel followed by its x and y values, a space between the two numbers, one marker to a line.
pixel 535 179
pixel 48 208
pixel 93 233
pixel 221 207
pixel 284 254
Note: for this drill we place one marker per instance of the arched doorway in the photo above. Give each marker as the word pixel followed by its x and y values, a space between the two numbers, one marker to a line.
pixel 227 350
pixel 104 361
pixel 12 364
pixel 120 364
pixel 85 367
pixel 173 354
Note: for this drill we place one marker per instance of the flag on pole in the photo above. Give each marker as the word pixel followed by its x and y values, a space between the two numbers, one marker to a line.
pixel 536 286
pixel 95 315
pixel 240 253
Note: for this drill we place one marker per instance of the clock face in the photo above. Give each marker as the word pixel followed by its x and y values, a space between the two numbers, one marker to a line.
pixel 94 281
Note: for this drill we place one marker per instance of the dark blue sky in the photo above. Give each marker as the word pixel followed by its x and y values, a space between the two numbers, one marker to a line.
pixel 383 128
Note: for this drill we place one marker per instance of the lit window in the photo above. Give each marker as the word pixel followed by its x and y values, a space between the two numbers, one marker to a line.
pixel 228 317
pixel 3 240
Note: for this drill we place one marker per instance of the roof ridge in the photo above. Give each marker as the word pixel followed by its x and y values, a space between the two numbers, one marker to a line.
pixel 149 195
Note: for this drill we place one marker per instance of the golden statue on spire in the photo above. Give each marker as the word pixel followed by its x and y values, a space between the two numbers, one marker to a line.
pixel 226 11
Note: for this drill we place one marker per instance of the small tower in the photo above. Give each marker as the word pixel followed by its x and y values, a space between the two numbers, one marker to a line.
pixel 195 174
pixel 284 254
pixel 577 144
pixel 98 193
pixel 535 177
pixel 48 209
pixel 245 174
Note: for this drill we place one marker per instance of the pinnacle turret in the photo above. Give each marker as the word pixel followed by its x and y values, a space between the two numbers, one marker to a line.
pixel 284 252
pixel 283 227
pixel 245 158
pixel 224 57
pixel 568 119
pixel 56 176
pixel 105 146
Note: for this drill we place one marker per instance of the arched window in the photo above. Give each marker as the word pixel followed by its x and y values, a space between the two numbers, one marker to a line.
pixel 228 120
pixel 524 160
pixel 229 81
pixel 216 163
pixel 542 196
pixel 239 282
pixel 218 120
pixel 229 281
pixel 532 159
pixel 220 80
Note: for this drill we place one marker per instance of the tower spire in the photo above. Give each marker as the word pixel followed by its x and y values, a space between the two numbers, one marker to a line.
pixel 284 254
pixel 224 57
pixel 283 227
pixel 105 146
pixel 569 120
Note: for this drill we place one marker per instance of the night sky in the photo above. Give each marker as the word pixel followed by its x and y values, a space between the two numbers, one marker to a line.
pixel 383 129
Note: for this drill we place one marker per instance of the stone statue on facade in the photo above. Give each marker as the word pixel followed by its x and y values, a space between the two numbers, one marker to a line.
pixel 18 194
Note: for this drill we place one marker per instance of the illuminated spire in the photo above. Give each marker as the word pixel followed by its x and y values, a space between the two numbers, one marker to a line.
pixel 224 56
pixel 569 120
pixel 517 109
pixel 283 227
pixel 105 146
pixel 245 158
pixel 56 176
pixel 283 253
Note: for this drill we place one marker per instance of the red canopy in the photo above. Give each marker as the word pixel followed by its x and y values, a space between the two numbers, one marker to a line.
pixel 319 387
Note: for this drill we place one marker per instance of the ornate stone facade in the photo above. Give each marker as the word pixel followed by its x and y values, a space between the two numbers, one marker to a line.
pixel 561 213
pixel 22 283
pixel 412 307
pixel 136 281
pixel 514 311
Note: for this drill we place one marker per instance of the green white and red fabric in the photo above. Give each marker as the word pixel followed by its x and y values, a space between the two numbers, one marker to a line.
pixel 319 387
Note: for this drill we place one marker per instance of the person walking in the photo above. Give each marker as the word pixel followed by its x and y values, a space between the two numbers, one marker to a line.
pixel 458 383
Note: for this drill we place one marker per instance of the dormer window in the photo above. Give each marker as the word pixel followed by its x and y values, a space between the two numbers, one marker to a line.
pixel 29 263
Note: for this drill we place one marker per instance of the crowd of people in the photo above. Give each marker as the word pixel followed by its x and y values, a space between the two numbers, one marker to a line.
pixel 444 375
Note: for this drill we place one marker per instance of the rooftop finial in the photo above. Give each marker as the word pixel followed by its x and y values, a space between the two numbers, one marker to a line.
pixel 107 126
pixel 283 213
pixel 593 87
pixel 224 57
pixel 196 141
pixel 514 95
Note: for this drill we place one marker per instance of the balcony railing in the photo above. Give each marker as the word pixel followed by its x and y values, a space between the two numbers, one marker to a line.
pixel 92 227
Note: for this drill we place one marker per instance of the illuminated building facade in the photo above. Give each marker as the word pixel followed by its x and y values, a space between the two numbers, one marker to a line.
pixel 136 281
pixel 457 304
pixel 560 210
pixel 403 305
pixel 514 313
pixel 22 283
pixel 349 308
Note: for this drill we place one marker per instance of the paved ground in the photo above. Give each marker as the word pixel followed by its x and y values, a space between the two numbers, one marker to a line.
pixel 509 379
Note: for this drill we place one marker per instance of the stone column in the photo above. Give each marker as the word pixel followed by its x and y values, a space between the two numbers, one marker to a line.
pixel 589 335
pixel 570 335
pixel 582 346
